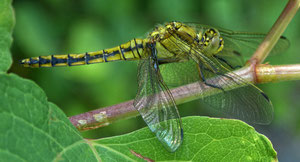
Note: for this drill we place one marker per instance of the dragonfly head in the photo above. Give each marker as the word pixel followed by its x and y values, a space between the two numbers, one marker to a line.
pixel 211 41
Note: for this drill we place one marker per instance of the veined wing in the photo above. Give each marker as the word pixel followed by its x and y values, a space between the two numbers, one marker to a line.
pixel 181 73
pixel 244 42
pixel 248 103
pixel 156 104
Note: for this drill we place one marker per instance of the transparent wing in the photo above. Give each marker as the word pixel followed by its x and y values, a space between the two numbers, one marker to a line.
pixel 230 59
pixel 181 73
pixel 245 42
pixel 248 103
pixel 157 107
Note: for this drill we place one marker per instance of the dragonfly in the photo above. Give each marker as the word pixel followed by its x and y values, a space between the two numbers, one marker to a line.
pixel 175 54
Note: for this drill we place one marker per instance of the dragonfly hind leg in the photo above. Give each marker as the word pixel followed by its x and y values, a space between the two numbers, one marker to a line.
pixel 227 63
pixel 200 67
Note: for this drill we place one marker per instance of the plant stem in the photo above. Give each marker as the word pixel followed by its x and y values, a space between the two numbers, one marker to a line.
pixel 262 74
pixel 274 34
pixel 267 73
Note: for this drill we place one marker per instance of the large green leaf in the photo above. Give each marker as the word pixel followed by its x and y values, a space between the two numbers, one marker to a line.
pixel 7 22
pixel 32 129
pixel 205 139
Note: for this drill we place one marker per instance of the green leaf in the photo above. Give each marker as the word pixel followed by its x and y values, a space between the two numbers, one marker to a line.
pixel 7 22
pixel 32 129
pixel 205 139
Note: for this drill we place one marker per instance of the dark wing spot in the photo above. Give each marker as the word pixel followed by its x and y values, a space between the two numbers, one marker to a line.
pixel 283 37
pixel 266 97
pixel 237 53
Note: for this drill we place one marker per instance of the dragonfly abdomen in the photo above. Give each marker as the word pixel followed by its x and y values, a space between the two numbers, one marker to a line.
pixel 131 50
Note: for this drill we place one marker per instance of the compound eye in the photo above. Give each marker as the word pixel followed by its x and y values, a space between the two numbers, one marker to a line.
pixel 202 39
pixel 214 44
pixel 212 31
pixel 221 45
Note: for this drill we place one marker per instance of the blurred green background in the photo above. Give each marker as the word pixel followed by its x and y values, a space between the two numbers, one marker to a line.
pixel 61 26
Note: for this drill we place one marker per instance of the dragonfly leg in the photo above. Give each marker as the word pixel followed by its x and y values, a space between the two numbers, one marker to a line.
pixel 224 61
pixel 224 75
pixel 216 71
pixel 201 68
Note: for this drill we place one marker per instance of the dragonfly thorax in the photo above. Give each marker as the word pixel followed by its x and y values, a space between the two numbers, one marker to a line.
pixel 183 31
